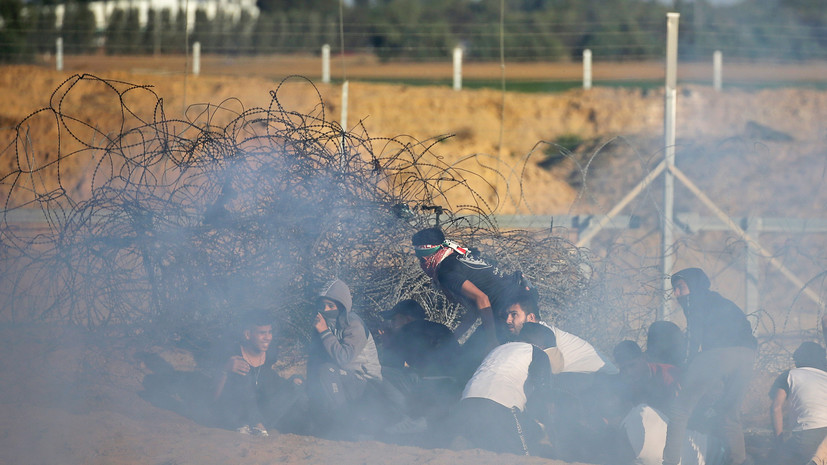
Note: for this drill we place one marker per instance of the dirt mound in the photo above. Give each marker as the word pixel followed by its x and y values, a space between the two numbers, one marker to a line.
pixel 505 139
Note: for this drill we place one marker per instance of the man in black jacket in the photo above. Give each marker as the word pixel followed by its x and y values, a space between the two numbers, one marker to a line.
pixel 721 353
pixel 465 278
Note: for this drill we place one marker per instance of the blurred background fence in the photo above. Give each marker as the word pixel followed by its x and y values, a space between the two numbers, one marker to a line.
pixel 784 31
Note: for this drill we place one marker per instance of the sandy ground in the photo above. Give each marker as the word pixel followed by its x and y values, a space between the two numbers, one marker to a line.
pixel 68 400
pixel 82 406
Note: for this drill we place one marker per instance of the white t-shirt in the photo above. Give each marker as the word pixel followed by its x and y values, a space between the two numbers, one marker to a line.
pixel 502 375
pixel 579 356
pixel 807 397
pixel 646 430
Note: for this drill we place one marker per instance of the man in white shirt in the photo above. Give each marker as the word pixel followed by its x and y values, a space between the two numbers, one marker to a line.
pixel 578 355
pixel 576 428
pixel 645 429
pixel 802 390
pixel 504 398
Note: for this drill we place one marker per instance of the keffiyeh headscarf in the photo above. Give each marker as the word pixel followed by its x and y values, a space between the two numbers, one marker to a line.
pixel 433 254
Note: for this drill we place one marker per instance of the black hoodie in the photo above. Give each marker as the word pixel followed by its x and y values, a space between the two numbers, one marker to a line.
pixel 712 321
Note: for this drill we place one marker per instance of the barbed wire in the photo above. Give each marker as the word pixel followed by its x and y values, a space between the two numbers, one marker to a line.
pixel 180 225
pixel 184 223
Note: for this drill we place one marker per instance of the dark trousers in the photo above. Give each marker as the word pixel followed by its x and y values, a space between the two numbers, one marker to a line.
pixel 491 426
pixel 730 367
pixel 335 397
pixel 416 396
pixel 267 399
pixel 800 447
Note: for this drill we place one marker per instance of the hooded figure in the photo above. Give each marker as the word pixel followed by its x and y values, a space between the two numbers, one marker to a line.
pixel 343 361
pixel 348 343
pixel 721 355
pixel 712 321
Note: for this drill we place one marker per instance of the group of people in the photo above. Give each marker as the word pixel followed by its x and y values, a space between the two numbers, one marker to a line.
pixel 514 383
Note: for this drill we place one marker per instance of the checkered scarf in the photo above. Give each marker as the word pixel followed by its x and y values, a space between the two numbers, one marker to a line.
pixel 433 254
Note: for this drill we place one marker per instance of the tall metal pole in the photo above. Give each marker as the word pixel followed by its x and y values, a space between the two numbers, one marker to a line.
pixel 669 115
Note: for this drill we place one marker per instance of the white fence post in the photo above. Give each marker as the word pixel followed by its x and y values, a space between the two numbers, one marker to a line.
pixel 59 54
pixel 753 265
pixel 457 68
pixel 326 63
pixel 669 116
pixel 717 64
pixel 344 105
pixel 344 124
pixel 196 58
pixel 587 69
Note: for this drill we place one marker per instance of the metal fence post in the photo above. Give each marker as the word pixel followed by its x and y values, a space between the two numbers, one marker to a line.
pixel 59 54
pixel 753 268
pixel 717 62
pixel 669 116
pixel 345 91
pixel 196 58
pixel 457 68
pixel 587 69
pixel 326 63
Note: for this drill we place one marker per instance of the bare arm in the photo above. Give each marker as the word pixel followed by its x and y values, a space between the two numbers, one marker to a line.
pixel 235 364
pixel 483 308
pixel 820 456
pixel 777 411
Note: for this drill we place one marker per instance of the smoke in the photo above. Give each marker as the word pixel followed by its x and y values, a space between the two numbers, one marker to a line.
pixel 180 225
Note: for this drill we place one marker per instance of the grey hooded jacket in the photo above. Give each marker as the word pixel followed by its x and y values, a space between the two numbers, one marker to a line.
pixel 349 343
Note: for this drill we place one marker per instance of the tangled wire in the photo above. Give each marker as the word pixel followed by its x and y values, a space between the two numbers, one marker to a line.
pixel 181 224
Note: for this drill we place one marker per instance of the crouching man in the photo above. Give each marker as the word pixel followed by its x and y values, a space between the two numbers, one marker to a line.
pixel 803 390
pixel 505 398
pixel 343 367
pixel 249 396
